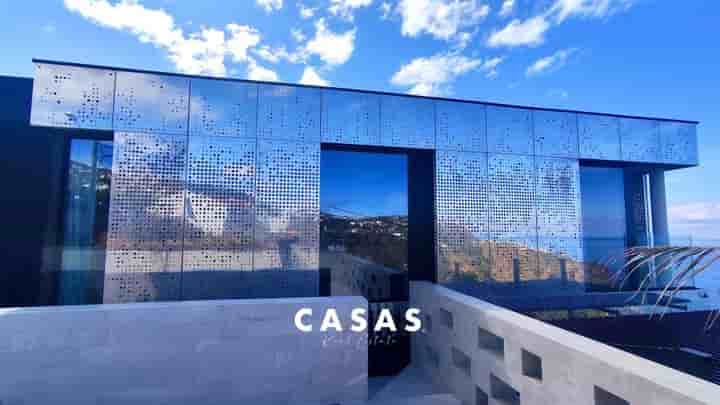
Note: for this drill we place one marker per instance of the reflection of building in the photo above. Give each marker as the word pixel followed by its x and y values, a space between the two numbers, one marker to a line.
pixel 215 194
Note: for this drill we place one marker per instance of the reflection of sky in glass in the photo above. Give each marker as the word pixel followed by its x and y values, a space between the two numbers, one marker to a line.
pixel 363 184
pixel 603 202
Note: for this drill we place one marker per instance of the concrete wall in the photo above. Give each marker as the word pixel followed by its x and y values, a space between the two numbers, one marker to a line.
pixel 234 351
pixel 479 350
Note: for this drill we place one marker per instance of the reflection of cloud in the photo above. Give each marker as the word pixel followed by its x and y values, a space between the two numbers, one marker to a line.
pixel 699 219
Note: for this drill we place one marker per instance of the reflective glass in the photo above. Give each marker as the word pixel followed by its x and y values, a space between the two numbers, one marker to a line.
pixel 351 117
pixel 288 112
pixel 407 122
pixel 72 97
pixel 512 196
pixel 599 137
pixel 509 130
pixel 85 223
pixel 678 142
pixel 151 103
pixel 556 133
pixel 557 197
pixel 640 140
pixel 461 126
pixel 223 108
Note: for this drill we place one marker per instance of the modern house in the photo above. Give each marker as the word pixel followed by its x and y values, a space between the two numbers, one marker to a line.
pixel 207 211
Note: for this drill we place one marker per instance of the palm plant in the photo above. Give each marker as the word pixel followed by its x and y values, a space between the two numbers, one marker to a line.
pixel 678 264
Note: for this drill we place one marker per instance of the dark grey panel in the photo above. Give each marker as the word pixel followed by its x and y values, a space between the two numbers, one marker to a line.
pixel 151 103
pixel 287 206
pixel 223 108
pixel 146 218
pixel 461 204
pixel 640 140
pixel 461 126
pixel 678 143
pixel 72 97
pixel 556 133
pixel 350 117
pixel 509 130
pixel 219 205
pixel 599 137
pixel 290 113
pixel 557 197
pixel 511 180
pixel 407 122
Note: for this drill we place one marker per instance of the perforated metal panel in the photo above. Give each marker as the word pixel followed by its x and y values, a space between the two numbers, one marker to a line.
pixel 511 180
pixel 678 143
pixel 144 248
pixel 461 204
pixel 72 97
pixel 514 259
pixel 640 140
pixel 557 197
pixel 220 204
pixel 599 137
pixel 561 258
pixel 350 118
pixel 151 103
pixel 509 130
pixel 407 122
pixel 287 112
pixel 223 108
pixel 287 206
pixel 461 126
pixel 556 133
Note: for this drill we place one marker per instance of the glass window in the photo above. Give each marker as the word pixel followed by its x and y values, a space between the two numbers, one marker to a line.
pixel 85 221
pixel 604 226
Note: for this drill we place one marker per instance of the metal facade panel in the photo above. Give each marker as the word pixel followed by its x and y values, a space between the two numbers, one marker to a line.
pixel 219 207
pixel 461 126
pixel 561 258
pixel 151 103
pixel 146 218
pixel 640 140
pixel 514 259
pixel 72 97
pixel 461 204
pixel 288 112
pixel 223 108
pixel 287 206
pixel 556 133
pixel 599 137
pixel 407 122
pixel 557 197
pixel 350 117
pixel 678 143
pixel 509 130
pixel 511 180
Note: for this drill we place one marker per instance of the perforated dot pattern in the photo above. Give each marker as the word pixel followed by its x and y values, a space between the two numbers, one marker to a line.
pixel 558 197
pixel 290 113
pixel 407 122
pixel 556 134
pixel 223 108
pixel 350 118
pixel 640 140
pixel 509 130
pixel 599 137
pixel 146 214
pixel 556 254
pixel 220 201
pixel 72 97
pixel 678 142
pixel 512 196
pixel 461 126
pixel 151 103
pixel 287 205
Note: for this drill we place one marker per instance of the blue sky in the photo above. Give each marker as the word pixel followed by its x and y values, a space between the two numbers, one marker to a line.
pixel 657 58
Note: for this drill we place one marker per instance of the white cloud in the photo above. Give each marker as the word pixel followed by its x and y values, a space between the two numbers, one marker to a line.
pixel 529 32
pixel 270 5
pixel 345 9
pixel 242 38
pixel 305 11
pixel 699 219
pixel 385 10
pixel 490 66
pixel 257 72
pixel 507 8
pixel 311 77
pixel 332 48
pixel 434 75
pixel 275 55
pixel 442 19
pixel 297 35
pixel 549 63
